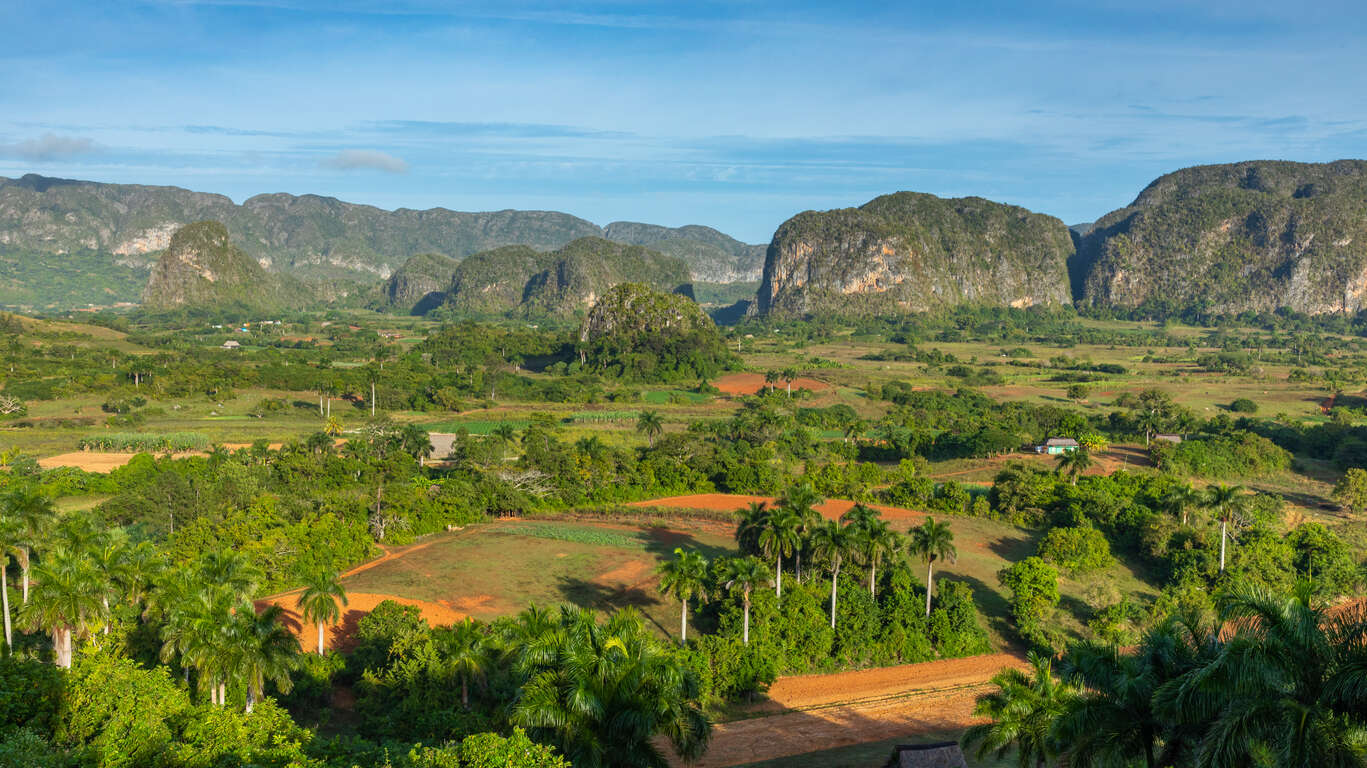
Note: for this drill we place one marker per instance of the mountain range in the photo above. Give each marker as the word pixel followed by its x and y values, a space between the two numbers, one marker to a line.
pixel 116 231
pixel 1254 236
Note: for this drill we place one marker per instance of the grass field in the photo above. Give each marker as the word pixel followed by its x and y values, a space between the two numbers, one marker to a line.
pixel 497 569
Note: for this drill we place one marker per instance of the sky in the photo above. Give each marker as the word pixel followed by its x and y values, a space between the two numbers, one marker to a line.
pixel 735 115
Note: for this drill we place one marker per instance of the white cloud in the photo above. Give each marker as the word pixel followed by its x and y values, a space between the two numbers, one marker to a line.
pixel 50 146
pixel 354 159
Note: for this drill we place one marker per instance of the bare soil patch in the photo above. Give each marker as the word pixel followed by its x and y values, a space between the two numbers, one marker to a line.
pixel 340 635
pixel 730 502
pixel 752 383
pixel 842 709
pixel 97 461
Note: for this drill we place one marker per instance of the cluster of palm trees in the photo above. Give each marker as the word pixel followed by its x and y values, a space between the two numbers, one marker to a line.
pixel 79 579
pixel 793 528
pixel 1277 680
pixel 1225 502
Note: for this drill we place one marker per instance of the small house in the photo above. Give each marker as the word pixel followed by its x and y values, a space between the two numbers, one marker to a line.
pixel 943 754
pixel 1056 445
pixel 1168 438
pixel 230 344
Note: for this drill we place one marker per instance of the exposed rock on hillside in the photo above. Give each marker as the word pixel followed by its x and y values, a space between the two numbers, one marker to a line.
pixel 522 281
pixel 202 268
pixel 1252 236
pixel 713 257
pixel 420 284
pixel 909 252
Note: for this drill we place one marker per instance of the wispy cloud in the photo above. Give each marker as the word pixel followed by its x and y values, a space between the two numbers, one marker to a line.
pixel 507 130
pixel 365 159
pixel 50 146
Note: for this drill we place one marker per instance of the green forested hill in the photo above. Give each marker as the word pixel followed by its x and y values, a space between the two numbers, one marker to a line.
pixel 713 256
pixel 909 252
pixel 520 280
pixel 1230 238
pixel 202 268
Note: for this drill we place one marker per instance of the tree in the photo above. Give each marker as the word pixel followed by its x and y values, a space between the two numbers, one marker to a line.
pixel 263 650
pixel 750 523
pixel 1034 590
pixel 1077 392
pixel 318 602
pixel 877 540
pixel 333 427
pixel 932 541
pixel 831 543
pixel 604 693
pixel 1114 718
pixel 11 533
pixel 789 376
pixel 466 654
pixel 32 510
pixel 801 499
pixel 1179 501
pixel 650 425
pixel 772 377
pixel 1021 713
pixel 67 600
pixel 1351 490
pixel 1287 686
pixel 779 538
pixel 1226 501
pixel 683 578
pixel 416 442
pixel 1074 463
pixel 1094 442
pixel 742 575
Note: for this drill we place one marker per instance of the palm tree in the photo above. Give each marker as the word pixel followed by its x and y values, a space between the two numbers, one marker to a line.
pixel 110 557
pixel 771 377
pixel 1094 442
pixel 802 499
pixel 750 523
pixel 743 574
pixel 1288 683
pixel 1225 500
pixel 876 541
pixel 683 578
pixel 605 693
pixel 68 600
pixel 466 654
pixel 789 376
pixel 11 533
pixel 32 510
pixel 1074 463
pixel 779 538
pixel 318 602
pixel 1180 500
pixel 650 425
pixel 932 541
pixel 831 543
pixel 263 650
pixel 333 427
pixel 1113 718
pixel 1022 712
pixel 416 442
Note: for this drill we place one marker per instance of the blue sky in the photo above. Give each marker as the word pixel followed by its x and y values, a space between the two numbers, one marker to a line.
pixel 735 115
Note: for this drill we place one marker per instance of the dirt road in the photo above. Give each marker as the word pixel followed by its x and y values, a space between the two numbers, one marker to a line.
pixel 830 711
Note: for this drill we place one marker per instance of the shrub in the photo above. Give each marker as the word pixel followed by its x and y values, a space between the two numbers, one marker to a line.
pixel 1078 550
pixel 1034 591
pixel 1243 405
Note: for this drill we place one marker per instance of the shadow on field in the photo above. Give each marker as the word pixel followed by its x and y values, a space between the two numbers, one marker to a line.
pixel 662 541
pixel 604 597
pixel 992 604
pixel 1012 548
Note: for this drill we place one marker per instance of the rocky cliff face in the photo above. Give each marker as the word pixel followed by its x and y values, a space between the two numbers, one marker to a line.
pixel 569 280
pixel 202 268
pixel 911 252
pixel 1253 236
pixel 420 284
pixel 712 256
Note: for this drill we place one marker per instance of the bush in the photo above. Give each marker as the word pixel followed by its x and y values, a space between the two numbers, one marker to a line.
pixel 1034 591
pixel 1243 405
pixel 1077 550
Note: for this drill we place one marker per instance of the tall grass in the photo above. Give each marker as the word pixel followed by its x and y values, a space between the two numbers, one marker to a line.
pixel 145 441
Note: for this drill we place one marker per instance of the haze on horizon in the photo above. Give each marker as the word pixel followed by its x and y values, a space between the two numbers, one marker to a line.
pixel 734 115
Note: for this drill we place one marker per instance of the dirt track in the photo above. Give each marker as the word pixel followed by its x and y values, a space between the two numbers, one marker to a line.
pixel 830 711
pixel 730 502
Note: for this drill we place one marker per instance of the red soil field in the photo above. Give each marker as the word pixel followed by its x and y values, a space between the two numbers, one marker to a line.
pixel 751 383
pixel 730 502
pixel 846 708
